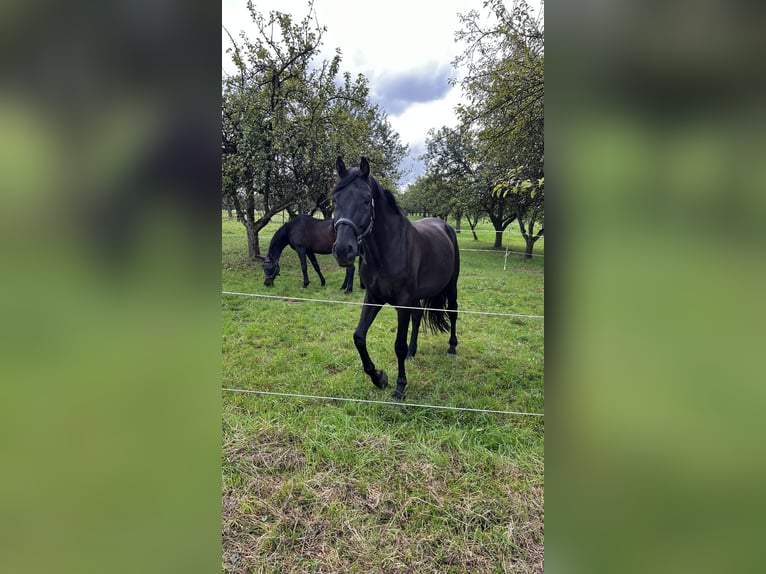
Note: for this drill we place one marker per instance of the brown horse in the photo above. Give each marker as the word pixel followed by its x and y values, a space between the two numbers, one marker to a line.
pixel 307 236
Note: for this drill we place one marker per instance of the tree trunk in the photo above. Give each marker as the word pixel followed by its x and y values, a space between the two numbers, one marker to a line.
pixel 231 216
pixel 500 222
pixel 530 244
pixel 253 248
pixel 529 235
pixel 472 224
pixel 497 224
pixel 254 226
pixel 458 219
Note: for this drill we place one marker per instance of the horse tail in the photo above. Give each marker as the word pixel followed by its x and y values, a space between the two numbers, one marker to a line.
pixel 435 315
pixel 436 318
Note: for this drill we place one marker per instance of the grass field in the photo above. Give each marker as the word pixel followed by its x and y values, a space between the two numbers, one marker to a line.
pixel 326 486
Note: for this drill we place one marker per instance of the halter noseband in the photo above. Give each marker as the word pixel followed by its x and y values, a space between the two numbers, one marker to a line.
pixel 346 221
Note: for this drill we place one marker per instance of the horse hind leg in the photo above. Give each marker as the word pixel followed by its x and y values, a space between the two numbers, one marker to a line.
pixel 315 265
pixel 400 347
pixel 417 316
pixel 452 313
pixel 451 294
pixel 302 257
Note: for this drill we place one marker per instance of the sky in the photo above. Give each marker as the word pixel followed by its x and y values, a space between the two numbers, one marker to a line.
pixel 404 48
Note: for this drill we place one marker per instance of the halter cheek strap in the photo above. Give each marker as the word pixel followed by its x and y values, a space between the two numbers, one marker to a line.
pixel 346 221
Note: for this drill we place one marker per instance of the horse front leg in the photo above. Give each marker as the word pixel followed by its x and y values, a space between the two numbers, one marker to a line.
pixel 400 348
pixel 379 378
pixel 315 265
pixel 348 282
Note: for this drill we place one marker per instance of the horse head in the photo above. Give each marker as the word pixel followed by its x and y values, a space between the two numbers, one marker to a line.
pixel 270 271
pixel 354 210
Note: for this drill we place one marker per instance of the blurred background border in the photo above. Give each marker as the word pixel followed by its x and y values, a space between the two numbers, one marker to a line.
pixel 110 179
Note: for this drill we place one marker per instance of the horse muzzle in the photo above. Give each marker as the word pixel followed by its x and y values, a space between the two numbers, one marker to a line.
pixel 344 253
pixel 346 246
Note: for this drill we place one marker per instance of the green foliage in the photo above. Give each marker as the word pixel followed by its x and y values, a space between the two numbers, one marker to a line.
pixel 500 134
pixel 505 85
pixel 428 196
pixel 286 117
pixel 529 201
pixel 454 159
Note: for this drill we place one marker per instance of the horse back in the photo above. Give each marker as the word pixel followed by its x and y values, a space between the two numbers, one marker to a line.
pixel 312 234
pixel 435 254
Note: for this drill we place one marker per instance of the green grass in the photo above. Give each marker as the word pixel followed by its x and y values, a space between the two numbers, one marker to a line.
pixel 326 486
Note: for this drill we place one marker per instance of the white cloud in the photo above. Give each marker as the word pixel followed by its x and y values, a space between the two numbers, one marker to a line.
pixel 379 40
pixel 413 124
pixel 375 37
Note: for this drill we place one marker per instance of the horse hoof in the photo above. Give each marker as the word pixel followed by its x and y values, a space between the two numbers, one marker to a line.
pixel 397 395
pixel 451 351
pixel 380 379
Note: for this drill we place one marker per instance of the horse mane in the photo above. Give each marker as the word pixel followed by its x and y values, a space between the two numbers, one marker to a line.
pixel 352 173
pixel 388 195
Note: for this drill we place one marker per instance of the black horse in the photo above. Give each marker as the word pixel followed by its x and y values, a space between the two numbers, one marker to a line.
pixel 406 264
pixel 307 236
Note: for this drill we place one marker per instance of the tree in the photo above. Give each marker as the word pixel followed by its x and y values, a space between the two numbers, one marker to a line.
pixel 426 196
pixel 256 113
pixel 529 200
pixel 505 85
pixel 285 119
pixel 455 157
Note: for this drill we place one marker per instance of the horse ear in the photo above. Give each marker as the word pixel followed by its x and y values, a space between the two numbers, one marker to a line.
pixel 340 167
pixel 364 167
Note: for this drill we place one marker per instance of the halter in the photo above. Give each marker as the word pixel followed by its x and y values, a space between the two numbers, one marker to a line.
pixel 271 268
pixel 346 221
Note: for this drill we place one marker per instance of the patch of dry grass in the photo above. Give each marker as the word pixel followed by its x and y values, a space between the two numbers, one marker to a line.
pixel 295 513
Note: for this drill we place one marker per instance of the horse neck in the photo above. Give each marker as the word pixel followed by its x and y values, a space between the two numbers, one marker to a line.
pixel 279 242
pixel 389 232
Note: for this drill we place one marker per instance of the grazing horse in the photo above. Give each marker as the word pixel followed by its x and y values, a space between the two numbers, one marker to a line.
pixel 405 264
pixel 307 236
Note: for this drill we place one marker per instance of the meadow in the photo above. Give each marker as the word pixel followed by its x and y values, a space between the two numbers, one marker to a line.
pixel 314 485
